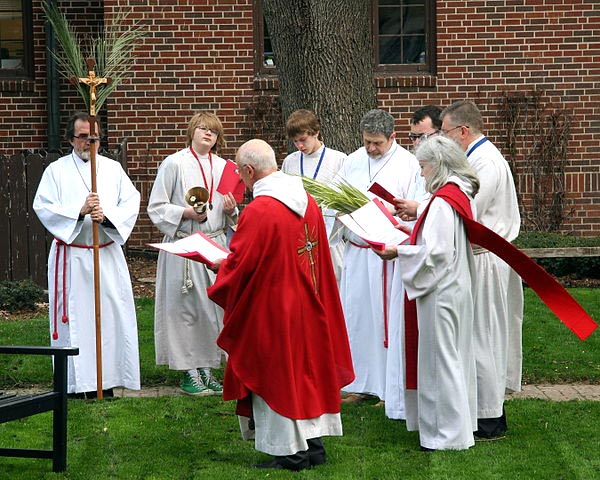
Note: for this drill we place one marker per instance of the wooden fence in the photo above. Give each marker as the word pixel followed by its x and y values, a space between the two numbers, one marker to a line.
pixel 24 242
pixel 23 239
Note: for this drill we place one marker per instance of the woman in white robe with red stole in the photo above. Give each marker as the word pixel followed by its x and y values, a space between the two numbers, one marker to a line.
pixel 437 272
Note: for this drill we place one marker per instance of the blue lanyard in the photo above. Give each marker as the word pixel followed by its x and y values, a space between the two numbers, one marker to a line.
pixel 318 164
pixel 478 144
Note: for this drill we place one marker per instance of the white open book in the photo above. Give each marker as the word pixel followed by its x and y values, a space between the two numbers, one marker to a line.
pixel 374 224
pixel 196 246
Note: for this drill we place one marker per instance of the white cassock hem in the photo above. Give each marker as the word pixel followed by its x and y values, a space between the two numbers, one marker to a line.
pixel 278 435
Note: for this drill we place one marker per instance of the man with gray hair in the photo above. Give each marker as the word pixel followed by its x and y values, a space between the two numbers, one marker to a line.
pixel 284 327
pixel 366 284
pixel 499 292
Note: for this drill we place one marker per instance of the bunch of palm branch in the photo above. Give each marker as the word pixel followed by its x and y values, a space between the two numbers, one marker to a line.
pixel 112 51
pixel 340 196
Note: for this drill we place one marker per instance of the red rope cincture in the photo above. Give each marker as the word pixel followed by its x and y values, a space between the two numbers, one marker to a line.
pixel 384 286
pixel 385 310
pixel 65 317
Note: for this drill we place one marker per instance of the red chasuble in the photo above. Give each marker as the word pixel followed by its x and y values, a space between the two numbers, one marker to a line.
pixel 547 288
pixel 284 328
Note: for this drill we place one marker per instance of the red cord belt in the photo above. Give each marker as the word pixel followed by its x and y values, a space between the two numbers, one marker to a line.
pixel 384 288
pixel 65 317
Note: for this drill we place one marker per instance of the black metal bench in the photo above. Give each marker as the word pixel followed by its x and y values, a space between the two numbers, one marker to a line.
pixel 13 406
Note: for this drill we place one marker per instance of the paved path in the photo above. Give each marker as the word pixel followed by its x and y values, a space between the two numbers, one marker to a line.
pixel 557 393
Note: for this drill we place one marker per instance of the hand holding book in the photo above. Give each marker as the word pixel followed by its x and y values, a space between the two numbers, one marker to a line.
pixel 197 247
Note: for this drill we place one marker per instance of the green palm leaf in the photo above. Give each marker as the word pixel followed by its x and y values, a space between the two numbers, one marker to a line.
pixel 339 196
pixel 112 51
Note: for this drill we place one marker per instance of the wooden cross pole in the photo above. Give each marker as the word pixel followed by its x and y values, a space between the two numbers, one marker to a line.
pixel 92 82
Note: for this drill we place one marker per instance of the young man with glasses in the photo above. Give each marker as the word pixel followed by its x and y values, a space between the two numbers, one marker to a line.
pixel 67 208
pixel 425 123
pixel 499 294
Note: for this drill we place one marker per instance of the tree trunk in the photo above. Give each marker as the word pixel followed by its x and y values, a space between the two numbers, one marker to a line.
pixel 323 54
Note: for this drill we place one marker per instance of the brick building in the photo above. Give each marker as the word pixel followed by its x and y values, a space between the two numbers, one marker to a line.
pixel 531 65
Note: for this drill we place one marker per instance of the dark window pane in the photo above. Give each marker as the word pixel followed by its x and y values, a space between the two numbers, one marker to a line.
pixel 414 20
pixel 414 49
pixel 402 37
pixel 390 21
pixel 268 58
pixel 390 50
pixel 12 43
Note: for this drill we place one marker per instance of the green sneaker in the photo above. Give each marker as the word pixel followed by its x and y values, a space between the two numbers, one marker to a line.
pixel 210 382
pixel 194 385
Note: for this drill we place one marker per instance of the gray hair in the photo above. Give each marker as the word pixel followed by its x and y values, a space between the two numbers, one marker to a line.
pixel 464 112
pixel 377 121
pixel 446 158
pixel 259 154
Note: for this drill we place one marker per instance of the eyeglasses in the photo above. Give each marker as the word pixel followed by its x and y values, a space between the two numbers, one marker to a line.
pixel 86 138
pixel 446 132
pixel 204 129
pixel 413 137
pixel 239 168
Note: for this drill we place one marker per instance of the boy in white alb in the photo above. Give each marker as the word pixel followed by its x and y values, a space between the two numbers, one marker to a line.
pixel 314 160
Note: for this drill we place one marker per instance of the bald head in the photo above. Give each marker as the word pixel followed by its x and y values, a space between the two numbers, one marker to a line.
pixel 259 154
pixel 255 160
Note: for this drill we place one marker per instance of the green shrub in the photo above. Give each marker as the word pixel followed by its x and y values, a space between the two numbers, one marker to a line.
pixel 588 267
pixel 19 295
pixel 553 240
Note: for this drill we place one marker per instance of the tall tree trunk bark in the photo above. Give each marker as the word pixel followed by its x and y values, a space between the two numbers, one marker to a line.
pixel 323 54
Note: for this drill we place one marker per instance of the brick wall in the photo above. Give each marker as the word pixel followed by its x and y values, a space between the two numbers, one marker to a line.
pixel 491 49
pixel 23 103
pixel 199 55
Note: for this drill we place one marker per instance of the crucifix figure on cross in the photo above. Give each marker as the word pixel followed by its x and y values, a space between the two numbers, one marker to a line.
pixel 92 81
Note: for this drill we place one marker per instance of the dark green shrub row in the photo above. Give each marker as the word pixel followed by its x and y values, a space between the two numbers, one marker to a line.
pixel 20 295
pixel 588 267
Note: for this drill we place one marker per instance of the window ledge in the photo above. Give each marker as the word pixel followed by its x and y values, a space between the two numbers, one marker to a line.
pixel 266 82
pixel 382 80
pixel 16 85
pixel 388 80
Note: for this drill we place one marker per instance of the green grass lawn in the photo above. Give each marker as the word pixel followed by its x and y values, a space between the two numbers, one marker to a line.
pixel 552 354
pixel 198 438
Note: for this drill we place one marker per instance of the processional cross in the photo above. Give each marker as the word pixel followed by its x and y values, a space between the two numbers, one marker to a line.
pixel 92 81
pixel 307 248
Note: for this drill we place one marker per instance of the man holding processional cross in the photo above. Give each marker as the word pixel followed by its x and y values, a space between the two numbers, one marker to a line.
pixel 87 202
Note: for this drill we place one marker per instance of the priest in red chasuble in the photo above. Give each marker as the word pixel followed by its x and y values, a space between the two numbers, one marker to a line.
pixel 284 328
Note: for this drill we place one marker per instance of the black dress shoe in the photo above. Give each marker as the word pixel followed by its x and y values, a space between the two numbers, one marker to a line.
pixel 491 428
pixel 270 464
pixel 316 452
pixel 296 462
pixel 425 449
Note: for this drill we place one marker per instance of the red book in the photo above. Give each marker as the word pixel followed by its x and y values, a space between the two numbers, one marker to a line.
pixel 232 182
pixel 381 193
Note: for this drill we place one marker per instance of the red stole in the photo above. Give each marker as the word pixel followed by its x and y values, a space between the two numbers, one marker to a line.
pixel 547 288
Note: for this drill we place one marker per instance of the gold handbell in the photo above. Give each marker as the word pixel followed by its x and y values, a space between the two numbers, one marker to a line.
pixel 196 197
